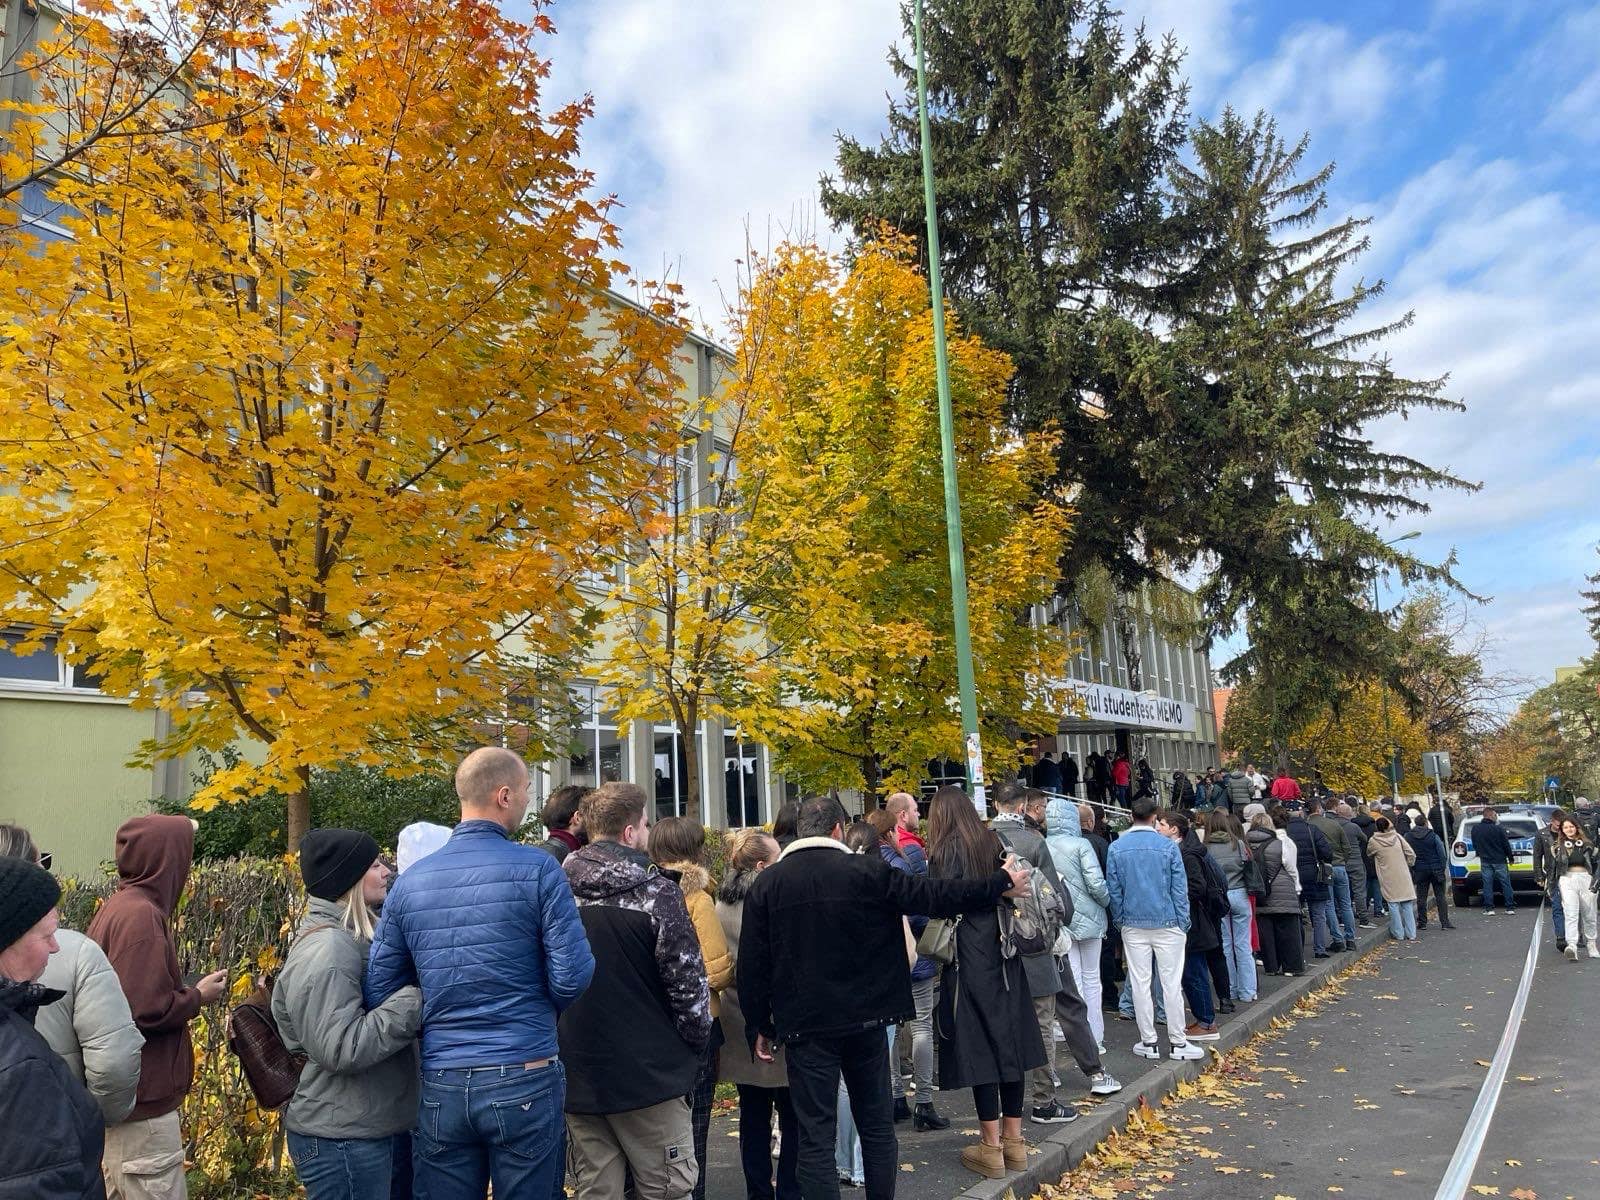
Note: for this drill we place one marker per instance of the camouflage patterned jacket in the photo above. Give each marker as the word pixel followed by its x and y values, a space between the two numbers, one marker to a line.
pixel 636 1036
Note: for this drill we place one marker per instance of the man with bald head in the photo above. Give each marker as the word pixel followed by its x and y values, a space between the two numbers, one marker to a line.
pixel 902 806
pixel 488 928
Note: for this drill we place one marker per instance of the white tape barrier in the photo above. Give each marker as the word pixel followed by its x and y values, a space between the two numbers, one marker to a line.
pixel 1458 1175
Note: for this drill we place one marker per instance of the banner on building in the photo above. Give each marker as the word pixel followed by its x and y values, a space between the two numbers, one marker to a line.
pixel 1143 710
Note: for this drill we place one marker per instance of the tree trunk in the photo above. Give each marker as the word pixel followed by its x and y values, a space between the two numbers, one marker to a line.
pixel 299 809
pixel 1128 634
pixel 692 806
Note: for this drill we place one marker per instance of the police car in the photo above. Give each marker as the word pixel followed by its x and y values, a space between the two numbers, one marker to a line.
pixel 1521 824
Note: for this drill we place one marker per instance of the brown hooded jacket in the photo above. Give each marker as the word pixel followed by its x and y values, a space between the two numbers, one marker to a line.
pixel 133 927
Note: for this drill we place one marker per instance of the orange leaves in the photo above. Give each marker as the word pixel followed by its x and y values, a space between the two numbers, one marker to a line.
pixel 335 410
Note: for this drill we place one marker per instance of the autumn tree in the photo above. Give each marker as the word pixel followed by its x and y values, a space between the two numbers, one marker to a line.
pixel 97 70
pixel 1348 742
pixel 847 565
pixel 309 434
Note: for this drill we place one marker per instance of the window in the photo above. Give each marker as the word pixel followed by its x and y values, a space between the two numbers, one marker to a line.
pixel 745 780
pixel 671 771
pixel 596 753
pixel 44 669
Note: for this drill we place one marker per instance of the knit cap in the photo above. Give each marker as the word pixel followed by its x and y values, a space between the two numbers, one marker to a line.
pixel 332 861
pixel 27 893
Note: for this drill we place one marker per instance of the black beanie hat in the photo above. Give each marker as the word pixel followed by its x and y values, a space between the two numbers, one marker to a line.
pixel 27 893
pixel 332 861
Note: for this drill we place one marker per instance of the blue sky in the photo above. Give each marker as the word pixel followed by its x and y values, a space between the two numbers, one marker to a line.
pixel 1467 129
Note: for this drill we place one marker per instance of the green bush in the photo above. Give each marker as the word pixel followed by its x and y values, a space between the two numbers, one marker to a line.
pixel 341 798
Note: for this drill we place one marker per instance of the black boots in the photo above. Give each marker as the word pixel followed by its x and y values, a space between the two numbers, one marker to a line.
pixel 927 1118
pixel 902 1110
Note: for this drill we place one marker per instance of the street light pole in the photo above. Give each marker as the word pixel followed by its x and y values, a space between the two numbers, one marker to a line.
pixel 947 444
pixel 1388 733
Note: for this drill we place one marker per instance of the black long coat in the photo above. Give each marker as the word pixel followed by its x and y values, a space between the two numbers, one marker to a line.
pixel 1205 933
pixel 984 1028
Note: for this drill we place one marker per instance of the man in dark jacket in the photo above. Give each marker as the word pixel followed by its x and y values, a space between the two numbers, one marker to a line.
pixel 488 928
pixel 1344 929
pixel 1428 871
pixel 154 854
pixel 51 1132
pixel 633 1042
pixel 1314 861
pixel 1069 775
pixel 1047 772
pixel 1493 848
pixel 563 821
pixel 822 969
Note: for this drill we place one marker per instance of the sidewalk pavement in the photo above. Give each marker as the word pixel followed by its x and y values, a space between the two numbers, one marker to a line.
pixel 932 1161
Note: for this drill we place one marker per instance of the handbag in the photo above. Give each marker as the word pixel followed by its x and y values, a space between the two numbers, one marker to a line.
pixel 937 941
pixel 270 1068
pixel 1255 879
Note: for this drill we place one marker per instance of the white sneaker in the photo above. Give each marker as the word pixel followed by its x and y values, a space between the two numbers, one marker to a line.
pixel 1572 954
pixel 1100 1048
pixel 1593 952
pixel 1147 1050
pixel 1188 1050
pixel 1104 1084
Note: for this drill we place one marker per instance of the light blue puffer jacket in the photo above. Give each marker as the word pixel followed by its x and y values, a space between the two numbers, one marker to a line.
pixel 1080 870
pixel 490 930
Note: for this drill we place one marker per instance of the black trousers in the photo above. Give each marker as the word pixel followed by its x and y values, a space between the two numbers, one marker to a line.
pixel 815 1067
pixel 1424 881
pixel 1281 947
pixel 1217 960
pixel 756 1106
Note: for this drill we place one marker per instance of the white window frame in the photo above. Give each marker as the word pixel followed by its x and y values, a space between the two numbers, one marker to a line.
pixel 62 686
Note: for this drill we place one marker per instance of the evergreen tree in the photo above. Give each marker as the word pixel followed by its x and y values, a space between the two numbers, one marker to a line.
pixel 1053 130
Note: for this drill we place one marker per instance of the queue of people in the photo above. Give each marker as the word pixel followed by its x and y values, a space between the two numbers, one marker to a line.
pixel 513 1015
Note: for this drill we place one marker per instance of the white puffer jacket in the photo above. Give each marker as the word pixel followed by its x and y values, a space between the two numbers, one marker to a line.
pixel 92 1028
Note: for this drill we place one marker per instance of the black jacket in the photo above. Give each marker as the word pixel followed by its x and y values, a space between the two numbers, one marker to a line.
pixel 636 1035
pixel 1425 844
pixel 1311 848
pixel 1069 775
pixel 1047 775
pixel 821 950
pixel 51 1131
pixel 1490 843
pixel 1205 930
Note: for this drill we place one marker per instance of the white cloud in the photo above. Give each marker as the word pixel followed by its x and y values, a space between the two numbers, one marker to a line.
pixel 1567 62
pixel 711 114
pixel 1322 79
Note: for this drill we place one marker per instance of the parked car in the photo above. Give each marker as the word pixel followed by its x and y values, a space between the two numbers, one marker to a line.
pixel 1521 824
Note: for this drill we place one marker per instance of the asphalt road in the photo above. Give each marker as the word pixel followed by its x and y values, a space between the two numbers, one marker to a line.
pixel 1367 1098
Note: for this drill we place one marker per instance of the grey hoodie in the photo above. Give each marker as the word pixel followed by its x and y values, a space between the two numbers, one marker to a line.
pixel 362 1076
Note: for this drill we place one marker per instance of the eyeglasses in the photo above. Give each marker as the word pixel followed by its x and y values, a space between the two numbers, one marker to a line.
pixel 45 859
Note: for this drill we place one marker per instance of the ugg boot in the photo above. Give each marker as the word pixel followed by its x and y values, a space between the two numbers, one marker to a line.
pixel 1015 1152
pixel 988 1161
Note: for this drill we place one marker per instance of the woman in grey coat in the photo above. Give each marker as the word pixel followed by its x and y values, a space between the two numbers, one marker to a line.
pixel 91 1026
pixel 361 1086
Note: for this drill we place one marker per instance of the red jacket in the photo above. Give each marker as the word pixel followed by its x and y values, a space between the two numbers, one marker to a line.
pixel 153 858
pixel 1284 788
pixel 1121 773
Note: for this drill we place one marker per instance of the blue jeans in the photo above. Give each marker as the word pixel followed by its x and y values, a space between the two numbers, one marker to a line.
pixel 1496 875
pixel 1403 918
pixel 1197 987
pixel 1375 900
pixel 1342 904
pixel 1236 945
pixel 491 1124
pixel 343 1168
pixel 1323 922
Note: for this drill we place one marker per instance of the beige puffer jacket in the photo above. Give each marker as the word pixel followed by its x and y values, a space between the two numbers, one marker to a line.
pixel 91 1027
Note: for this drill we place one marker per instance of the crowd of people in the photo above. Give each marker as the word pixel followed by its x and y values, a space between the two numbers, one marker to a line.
pixel 512 1014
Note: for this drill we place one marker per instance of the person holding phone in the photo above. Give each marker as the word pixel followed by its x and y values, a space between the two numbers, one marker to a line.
pixel 144 1154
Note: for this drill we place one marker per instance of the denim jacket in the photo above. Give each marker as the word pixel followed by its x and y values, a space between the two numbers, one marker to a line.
pixel 1148 885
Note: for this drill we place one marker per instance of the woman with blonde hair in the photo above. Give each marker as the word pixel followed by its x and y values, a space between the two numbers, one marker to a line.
pixel 678 847
pixel 361 1083
pixel 763 1087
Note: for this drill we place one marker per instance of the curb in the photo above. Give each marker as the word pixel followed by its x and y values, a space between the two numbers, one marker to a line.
pixel 1055 1154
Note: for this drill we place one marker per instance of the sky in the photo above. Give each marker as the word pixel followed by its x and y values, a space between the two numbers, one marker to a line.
pixel 1466 129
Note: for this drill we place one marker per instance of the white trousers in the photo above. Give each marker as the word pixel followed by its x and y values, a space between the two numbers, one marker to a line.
pixel 1084 958
pixel 1578 901
pixel 1157 951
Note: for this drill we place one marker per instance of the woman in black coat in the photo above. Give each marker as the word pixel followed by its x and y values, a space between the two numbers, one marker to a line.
pixel 985 1034
pixel 51 1130
pixel 1203 957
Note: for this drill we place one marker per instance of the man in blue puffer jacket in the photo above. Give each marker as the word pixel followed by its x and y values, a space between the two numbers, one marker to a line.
pixel 488 928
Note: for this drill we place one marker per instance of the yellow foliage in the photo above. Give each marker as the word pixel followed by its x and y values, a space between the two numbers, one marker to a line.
pixel 846 564
pixel 311 432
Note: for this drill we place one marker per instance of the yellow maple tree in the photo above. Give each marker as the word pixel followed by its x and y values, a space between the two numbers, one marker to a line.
pixel 311 431
pixel 846 564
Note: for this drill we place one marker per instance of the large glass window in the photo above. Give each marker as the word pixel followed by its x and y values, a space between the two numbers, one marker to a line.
pixel 670 769
pixel 43 669
pixel 596 754
pixel 745 780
